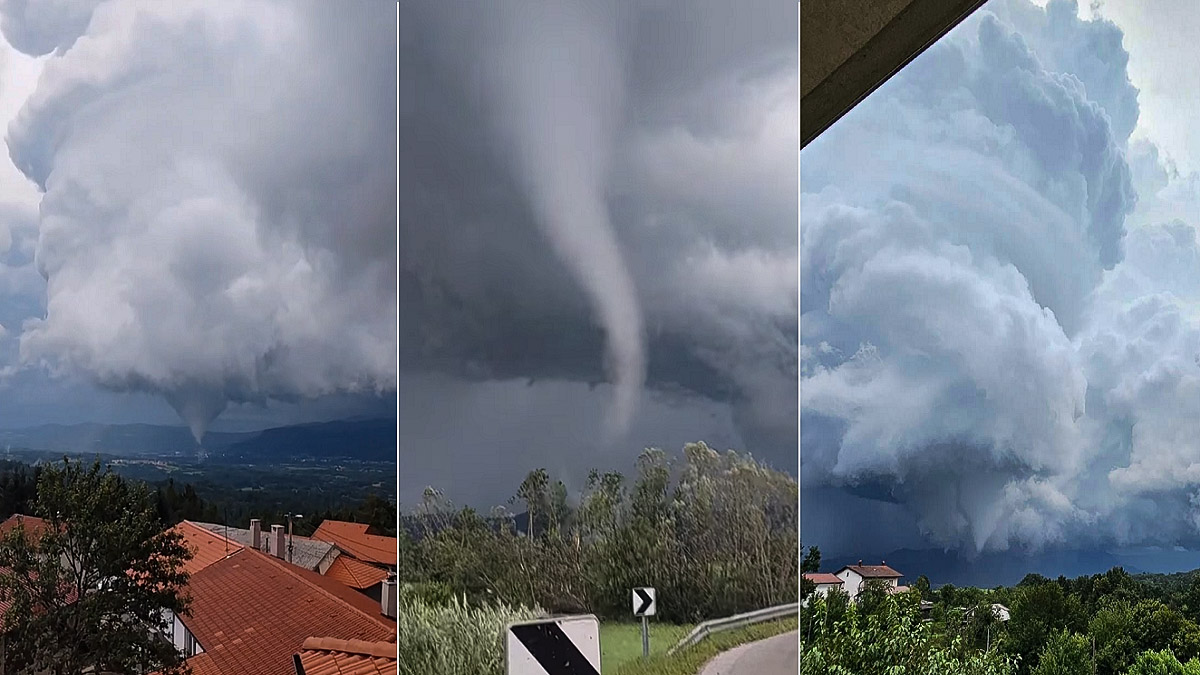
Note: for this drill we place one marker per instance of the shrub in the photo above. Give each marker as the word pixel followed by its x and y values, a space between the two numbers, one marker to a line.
pixel 454 638
pixel 890 639
pixel 427 592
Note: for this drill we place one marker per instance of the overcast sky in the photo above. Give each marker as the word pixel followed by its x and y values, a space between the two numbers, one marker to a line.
pixel 1000 302
pixel 598 240
pixel 197 211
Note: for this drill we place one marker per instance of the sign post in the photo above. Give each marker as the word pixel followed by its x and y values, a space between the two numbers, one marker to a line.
pixel 564 645
pixel 644 606
pixel 645 638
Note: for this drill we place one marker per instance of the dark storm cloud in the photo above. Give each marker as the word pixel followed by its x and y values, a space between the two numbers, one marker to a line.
pixel 996 333
pixel 699 193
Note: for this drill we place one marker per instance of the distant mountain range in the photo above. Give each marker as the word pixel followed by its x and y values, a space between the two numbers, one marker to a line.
pixel 360 439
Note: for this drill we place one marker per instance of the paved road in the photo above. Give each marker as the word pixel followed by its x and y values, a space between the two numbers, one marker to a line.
pixel 777 655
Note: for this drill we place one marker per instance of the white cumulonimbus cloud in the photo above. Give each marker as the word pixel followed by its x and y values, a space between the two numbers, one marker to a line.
pixel 1000 316
pixel 217 221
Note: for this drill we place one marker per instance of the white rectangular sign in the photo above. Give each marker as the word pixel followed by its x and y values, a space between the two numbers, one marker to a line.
pixel 644 603
pixel 567 645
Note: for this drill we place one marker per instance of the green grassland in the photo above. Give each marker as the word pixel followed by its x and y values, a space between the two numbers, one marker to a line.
pixel 621 643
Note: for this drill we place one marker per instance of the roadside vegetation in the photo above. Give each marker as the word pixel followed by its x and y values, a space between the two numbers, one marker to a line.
pixel 454 638
pixel 715 534
pixel 1107 624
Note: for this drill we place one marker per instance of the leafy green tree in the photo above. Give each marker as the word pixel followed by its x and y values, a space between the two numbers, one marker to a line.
pixel 1162 663
pixel 1158 625
pixel 1038 613
pixel 1066 653
pixel 810 562
pixel 1113 629
pixel 89 589
pixel 982 625
pixel 872 595
pixel 534 491
pixel 922 586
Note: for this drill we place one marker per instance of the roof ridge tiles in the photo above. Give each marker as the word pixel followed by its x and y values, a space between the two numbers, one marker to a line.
pixel 363 647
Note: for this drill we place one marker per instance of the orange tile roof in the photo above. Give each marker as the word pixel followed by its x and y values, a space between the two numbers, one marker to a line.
pixel 353 539
pixel 822 578
pixel 330 656
pixel 251 612
pixel 354 572
pixel 33 525
pixel 207 546
pixel 202 664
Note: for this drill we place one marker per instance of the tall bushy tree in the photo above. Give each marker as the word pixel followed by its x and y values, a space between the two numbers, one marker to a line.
pixel 1066 653
pixel 810 563
pixel 1039 612
pixel 1113 629
pixel 89 590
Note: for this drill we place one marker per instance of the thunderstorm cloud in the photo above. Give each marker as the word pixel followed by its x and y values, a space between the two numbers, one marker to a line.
pixel 999 295
pixel 597 235
pixel 217 213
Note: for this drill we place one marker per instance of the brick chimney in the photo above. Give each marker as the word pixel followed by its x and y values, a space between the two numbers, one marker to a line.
pixel 390 597
pixel 278 542
pixel 256 534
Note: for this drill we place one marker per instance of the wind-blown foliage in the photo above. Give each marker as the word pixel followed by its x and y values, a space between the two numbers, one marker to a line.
pixel 454 638
pixel 715 533
pixel 888 638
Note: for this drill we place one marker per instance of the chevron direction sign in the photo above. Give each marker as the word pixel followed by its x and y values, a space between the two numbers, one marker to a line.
pixel 643 602
pixel 565 645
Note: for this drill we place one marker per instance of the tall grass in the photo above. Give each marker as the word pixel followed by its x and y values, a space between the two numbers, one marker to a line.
pixel 455 638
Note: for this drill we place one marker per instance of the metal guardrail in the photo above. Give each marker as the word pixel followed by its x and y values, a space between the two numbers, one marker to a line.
pixel 736 621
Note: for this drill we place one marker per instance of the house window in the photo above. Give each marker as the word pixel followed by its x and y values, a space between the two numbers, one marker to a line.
pixel 189 644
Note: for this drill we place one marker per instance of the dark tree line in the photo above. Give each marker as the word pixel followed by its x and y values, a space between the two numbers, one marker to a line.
pixel 174 502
